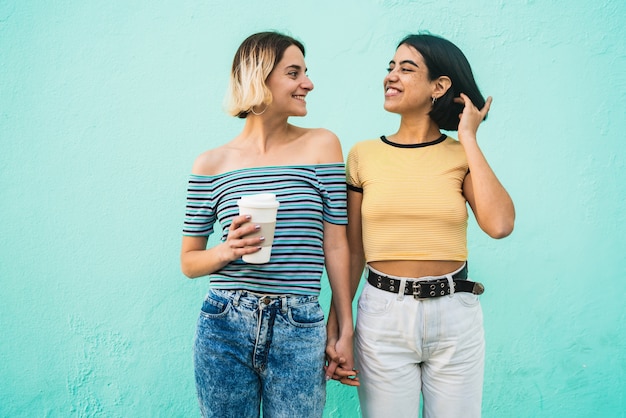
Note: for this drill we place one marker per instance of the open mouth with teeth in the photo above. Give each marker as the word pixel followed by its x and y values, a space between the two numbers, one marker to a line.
pixel 299 97
pixel 391 91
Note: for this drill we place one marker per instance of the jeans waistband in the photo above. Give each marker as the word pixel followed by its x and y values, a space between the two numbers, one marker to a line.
pixel 254 300
pixel 425 287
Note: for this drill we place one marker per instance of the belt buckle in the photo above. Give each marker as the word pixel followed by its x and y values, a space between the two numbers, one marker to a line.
pixel 417 290
pixel 433 289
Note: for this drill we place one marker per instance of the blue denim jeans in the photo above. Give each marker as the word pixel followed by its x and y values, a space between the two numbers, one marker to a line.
pixel 404 346
pixel 253 351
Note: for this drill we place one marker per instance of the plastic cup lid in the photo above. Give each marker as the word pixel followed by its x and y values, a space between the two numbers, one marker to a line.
pixel 260 200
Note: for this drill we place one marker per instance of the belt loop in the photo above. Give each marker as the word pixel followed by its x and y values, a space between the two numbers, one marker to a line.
pixel 283 304
pixel 450 284
pixel 401 289
pixel 236 298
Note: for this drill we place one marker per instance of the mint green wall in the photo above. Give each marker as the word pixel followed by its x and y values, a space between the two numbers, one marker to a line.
pixel 105 104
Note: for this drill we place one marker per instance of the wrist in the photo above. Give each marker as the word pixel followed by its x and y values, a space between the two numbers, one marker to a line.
pixel 346 335
pixel 225 255
pixel 345 330
pixel 467 136
pixel 332 328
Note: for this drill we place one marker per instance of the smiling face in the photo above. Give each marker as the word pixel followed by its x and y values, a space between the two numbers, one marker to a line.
pixel 407 85
pixel 289 84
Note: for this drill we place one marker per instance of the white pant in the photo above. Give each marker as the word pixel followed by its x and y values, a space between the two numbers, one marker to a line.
pixel 405 346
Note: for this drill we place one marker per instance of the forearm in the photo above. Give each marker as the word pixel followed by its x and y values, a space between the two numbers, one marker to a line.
pixel 355 240
pixel 336 255
pixel 198 263
pixel 357 264
pixel 196 260
pixel 340 315
pixel 490 202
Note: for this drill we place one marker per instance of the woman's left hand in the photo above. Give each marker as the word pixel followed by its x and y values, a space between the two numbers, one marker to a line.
pixel 339 367
pixel 470 119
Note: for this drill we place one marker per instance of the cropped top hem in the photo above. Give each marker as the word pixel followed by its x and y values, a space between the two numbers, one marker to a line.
pixel 429 257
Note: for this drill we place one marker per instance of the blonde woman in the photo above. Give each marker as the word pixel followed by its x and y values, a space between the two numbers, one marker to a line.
pixel 260 336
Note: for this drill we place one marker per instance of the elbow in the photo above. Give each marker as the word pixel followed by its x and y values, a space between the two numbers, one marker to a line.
pixel 502 230
pixel 500 224
pixel 503 233
pixel 188 270
pixel 188 273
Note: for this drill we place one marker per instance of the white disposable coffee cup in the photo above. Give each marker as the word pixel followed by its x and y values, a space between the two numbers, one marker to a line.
pixel 262 208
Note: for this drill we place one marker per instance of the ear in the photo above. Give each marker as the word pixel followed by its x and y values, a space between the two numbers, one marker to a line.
pixel 441 86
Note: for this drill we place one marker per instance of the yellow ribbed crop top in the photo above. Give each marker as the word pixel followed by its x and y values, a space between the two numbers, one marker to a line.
pixel 413 205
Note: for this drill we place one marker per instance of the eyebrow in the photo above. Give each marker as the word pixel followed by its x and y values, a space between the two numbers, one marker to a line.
pixel 296 67
pixel 405 62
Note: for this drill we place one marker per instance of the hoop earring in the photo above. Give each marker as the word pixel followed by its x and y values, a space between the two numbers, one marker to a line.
pixel 258 114
pixel 434 100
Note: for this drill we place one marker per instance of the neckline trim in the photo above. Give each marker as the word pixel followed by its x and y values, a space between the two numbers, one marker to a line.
pixel 420 145
pixel 307 167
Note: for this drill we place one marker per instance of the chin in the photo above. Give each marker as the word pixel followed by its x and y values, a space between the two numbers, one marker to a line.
pixel 390 108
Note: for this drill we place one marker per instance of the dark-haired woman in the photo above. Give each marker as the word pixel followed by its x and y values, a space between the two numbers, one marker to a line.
pixel 419 323
pixel 260 336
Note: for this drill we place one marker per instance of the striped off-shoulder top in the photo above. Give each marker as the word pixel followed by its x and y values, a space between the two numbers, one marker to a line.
pixel 309 196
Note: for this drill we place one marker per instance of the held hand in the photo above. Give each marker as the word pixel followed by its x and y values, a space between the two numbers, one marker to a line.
pixel 237 244
pixel 339 367
pixel 346 376
pixel 333 359
pixel 471 117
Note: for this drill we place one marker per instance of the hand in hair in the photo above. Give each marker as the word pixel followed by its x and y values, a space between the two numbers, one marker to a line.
pixel 471 117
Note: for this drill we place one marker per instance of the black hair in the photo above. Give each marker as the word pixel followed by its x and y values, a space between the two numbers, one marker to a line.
pixel 443 58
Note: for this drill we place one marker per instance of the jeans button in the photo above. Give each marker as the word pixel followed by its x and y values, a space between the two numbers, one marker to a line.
pixel 266 300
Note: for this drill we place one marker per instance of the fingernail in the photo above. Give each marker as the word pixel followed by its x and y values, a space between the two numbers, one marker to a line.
pixel 257 227
pixel 327 378
pixel 262 238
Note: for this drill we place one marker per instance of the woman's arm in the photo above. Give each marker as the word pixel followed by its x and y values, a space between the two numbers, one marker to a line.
pixel 338 368
pixel 196 260
pixel 336 255
pixel 488 199
pixel 355 240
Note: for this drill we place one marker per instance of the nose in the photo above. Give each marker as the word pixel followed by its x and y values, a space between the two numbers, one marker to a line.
pixel 307 84
pixel 391 76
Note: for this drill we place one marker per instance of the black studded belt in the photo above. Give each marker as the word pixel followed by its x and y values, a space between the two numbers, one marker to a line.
pixel 421 289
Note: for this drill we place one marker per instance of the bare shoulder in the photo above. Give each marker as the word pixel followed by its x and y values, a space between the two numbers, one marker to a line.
pixel 324 145
pixel 209 162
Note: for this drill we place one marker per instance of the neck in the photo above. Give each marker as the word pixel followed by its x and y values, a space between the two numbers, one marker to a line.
pixel 414 131
pixel 263 132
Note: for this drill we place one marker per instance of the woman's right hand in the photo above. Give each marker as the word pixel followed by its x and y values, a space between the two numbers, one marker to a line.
pixel 238 242
pixel 338 367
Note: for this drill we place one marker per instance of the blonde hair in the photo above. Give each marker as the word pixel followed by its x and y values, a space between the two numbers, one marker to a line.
pixel 254 61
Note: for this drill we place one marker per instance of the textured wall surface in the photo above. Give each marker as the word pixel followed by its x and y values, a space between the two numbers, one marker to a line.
pixel 105 104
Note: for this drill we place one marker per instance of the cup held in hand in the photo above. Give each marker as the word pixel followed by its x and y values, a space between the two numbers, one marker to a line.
pixel 262 208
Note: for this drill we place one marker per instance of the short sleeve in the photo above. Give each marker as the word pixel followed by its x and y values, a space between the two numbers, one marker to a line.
pixel 200 213
pixel 352 171
pixel 333 190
